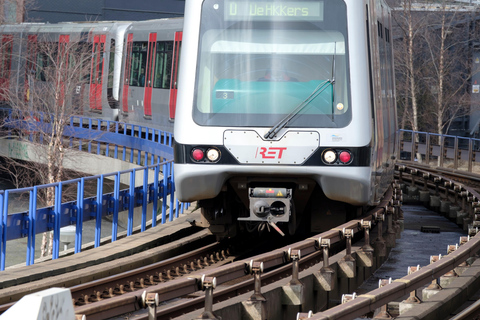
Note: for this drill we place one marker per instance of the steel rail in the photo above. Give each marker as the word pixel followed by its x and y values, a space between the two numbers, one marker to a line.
pixel 177 288
pixel 469 313
pixel 112 282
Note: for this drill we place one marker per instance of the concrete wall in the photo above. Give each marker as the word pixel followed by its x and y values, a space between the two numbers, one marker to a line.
pixel 90 164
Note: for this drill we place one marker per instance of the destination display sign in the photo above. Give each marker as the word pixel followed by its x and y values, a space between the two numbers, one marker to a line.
pixel 278 10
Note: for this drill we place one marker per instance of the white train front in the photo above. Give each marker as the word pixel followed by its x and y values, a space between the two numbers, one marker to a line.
pixel 286 111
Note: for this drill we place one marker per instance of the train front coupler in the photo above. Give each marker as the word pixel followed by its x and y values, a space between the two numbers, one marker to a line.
pixel 270 206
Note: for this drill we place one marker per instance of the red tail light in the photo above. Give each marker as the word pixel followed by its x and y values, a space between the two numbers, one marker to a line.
pixel 198 154
pixel 345 157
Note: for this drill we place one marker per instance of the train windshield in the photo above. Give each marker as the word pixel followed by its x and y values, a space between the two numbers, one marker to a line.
pixel 260 61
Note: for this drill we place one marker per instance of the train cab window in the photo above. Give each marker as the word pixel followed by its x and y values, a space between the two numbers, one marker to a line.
pixel 138 64
pixel 163 65
pixel 254 70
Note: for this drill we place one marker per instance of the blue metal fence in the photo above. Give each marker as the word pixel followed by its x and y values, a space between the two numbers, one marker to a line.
pixel 124 139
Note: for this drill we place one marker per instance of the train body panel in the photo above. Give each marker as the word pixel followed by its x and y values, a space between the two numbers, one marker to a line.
pixel 333 81
pixel 351 185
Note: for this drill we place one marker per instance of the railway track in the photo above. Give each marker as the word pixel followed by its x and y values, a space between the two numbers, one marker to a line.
pixel 310 274
pixel 239 275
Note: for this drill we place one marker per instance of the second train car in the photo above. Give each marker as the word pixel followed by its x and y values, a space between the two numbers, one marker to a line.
pixel 286 112
pixel 131 75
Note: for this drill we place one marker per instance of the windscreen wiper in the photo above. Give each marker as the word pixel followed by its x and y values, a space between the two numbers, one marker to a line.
pixel 283 123
pixel 318 90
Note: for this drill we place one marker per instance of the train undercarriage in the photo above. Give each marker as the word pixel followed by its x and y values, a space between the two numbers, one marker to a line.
pixel 287 207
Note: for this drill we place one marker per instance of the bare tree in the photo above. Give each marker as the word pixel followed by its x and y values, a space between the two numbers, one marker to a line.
pixel 409 26
pixel 448 73
pixel 55 73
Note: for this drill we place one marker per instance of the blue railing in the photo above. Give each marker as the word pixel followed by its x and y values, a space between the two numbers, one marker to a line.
pixel 155 146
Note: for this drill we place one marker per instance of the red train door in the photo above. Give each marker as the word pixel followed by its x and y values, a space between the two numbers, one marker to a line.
pixel 96 74
pixel 173 81
pixel 128 66
pixel 5 65
pixel 30 65
pixel 149 74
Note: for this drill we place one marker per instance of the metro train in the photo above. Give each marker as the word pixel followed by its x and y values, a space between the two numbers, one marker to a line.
pixel 131 74
pixel 286 113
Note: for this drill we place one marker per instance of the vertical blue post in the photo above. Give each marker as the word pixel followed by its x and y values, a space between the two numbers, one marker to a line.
pixel 132 134
pixel 170 141
pixel 155 195
pixel 32 207
pixel 116 146
pixel 71 138
pixel 98 219
pixel 124 148
pixel 167 189
pixel 79 226
pixel 164 193
pixel 171 185
pixel 3 230
pixel 90 141
pixel 57 210
pixel 116 196
pixel 144 200
pixel 131 203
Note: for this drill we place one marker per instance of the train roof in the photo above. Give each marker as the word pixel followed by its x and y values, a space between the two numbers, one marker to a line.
pixel 173 23
pixel 65 27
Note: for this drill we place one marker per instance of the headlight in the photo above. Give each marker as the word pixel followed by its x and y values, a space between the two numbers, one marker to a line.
pixel 329 156
pixel 213 154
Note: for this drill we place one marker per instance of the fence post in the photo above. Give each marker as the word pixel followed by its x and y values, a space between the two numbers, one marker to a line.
pixel 3 230
pixel 57 208
pixel 155 195
pixel 131 203
pixel 470 155
pixel 164 197
pixel 427 151
pixel 145 199
pixel 98 218
pixel 412 151
pixel 455 154
pixel 31 225
pixel 80 205
pixel 116 196
pixel 172 191
pixel 442 149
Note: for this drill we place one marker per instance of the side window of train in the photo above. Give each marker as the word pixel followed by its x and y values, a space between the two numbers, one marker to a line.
pixel 42 64
pixel 80 60
pixel 111 64
pixel 6 56
pixel 380 29
pixel 138 64
pixel 46 57
pixel 163 65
